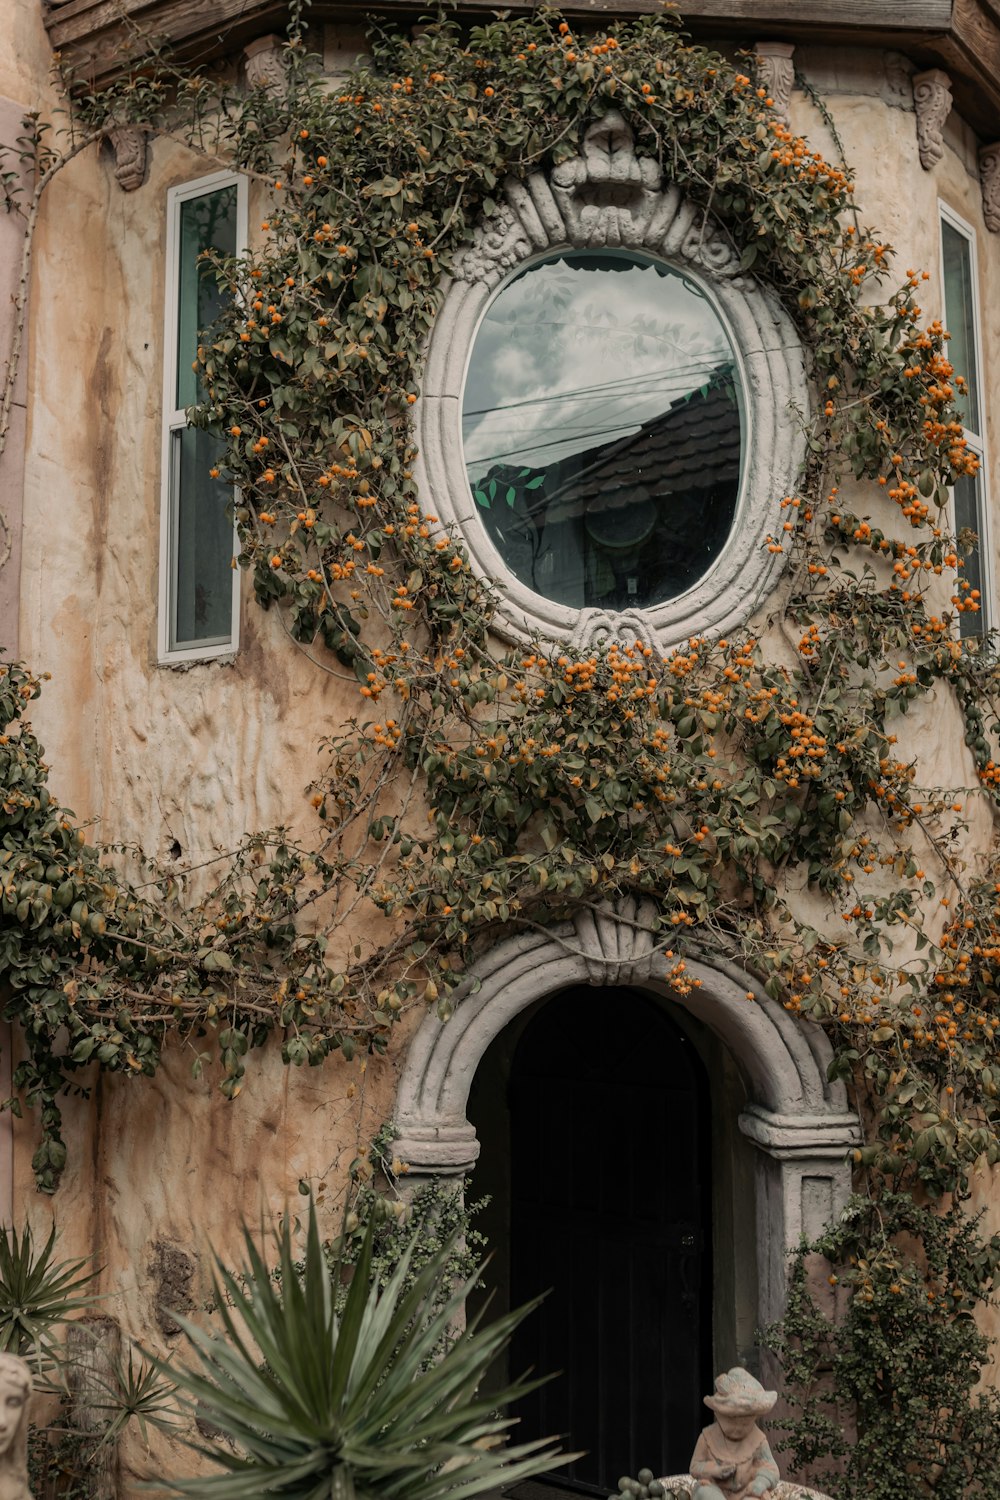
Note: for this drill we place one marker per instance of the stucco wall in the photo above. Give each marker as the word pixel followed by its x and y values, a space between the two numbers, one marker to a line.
pixel 201 754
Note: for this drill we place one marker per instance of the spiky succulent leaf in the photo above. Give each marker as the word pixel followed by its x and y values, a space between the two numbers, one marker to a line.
pixel 37 1295
pixel 349 1405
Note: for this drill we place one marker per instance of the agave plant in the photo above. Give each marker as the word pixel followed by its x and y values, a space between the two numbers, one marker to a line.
pixel 349 1405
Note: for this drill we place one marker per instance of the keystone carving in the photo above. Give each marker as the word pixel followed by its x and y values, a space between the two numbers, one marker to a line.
pixel 618 943
pixel 262 64
pixel 989 178
pixel 776 72
pixel 932 102
pixel 597 625
pixel 130 147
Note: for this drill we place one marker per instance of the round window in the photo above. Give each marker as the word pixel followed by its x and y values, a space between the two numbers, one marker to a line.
pixel 603 427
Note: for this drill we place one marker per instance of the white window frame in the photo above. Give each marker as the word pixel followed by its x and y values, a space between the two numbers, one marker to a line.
pixel 976 441
pixel 175 419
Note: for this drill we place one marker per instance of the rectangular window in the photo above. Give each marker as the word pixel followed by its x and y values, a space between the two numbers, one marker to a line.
pixel 199 589
pixel 970 496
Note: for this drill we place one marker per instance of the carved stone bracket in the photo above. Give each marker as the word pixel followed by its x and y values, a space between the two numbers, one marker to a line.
pixel 131 149
pixel 898 72
pixel 932 102
pixel 611 197
pixel 262 64
pixel 989 178
pixel 776 71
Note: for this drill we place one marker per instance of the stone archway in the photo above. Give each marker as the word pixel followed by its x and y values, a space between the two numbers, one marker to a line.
pixel 799 1121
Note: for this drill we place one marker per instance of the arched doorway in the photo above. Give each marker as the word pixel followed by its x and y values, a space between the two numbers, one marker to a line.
pixel 782 1127
pixel 609 1202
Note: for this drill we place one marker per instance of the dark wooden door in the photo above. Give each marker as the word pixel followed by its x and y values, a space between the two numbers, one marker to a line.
pixel 610 1199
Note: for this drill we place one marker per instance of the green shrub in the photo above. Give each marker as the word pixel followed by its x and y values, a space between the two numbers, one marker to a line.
pixel 884 1400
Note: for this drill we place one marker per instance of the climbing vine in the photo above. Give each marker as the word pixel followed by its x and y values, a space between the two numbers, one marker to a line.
pixel 754 794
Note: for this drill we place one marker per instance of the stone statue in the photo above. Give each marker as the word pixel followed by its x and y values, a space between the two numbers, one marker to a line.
pixel 15 1389
pixel 732 1460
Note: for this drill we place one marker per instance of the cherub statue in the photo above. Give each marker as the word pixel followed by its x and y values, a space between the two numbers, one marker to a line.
pixel 732 1460
pixel 15 1389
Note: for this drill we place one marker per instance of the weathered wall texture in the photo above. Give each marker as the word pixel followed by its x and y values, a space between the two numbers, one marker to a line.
pixel 202 754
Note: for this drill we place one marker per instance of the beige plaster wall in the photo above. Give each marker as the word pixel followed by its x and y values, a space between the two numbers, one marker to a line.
pixel 204 753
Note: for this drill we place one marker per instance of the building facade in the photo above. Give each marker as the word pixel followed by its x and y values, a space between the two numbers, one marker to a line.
pixel 179 716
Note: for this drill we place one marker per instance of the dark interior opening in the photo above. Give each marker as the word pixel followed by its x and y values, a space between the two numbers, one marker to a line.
pixel 596 1131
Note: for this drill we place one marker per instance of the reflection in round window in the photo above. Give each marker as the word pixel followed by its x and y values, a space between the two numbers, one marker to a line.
pixel 602 424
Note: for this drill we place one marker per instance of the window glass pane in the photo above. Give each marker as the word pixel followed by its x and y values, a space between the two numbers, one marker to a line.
pixel 206 223
pixel 959 317
pixel 969 517
pixel 202 542
pixel 602 424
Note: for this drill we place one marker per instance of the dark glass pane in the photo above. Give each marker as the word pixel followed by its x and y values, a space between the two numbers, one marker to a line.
pixel 207 223
pixel 969 517
pixel 202 542
pixel 959 317
pixel 602 424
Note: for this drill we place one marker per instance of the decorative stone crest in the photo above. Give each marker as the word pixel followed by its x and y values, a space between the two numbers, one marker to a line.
pixel 932 102
pixel 989 178
pixel 776 72
pixel 130 147
pixel 262 64
pixel 609 197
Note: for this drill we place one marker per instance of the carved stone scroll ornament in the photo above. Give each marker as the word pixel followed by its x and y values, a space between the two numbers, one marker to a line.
pixel 932 102
pixel 263 66
pixel 130 147
pixel 989 178
pixel 15 1392
pixel 609 197
pixel 776 72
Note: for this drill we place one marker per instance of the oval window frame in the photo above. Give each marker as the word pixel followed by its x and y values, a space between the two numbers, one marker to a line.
pixel 608 198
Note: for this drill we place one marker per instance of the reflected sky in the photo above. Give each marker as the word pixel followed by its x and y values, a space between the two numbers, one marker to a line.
pixel 581 349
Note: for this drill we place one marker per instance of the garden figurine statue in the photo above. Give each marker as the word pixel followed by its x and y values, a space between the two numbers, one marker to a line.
pixel 15 1389
pixel 732 1460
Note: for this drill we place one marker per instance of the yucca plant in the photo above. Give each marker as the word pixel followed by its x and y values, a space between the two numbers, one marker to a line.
pixel 37 1295
pixel 130 1390
pixel 349 1405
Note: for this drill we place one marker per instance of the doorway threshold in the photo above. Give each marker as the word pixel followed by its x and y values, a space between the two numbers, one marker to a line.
pixel 534 1489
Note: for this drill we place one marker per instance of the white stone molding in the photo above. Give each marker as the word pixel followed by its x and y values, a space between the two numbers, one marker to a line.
pixel 130 147
pixel 797 1119
pixel 262 64
pixel 989 179
pixel 610 197
pixel 932 102
pixel 776 72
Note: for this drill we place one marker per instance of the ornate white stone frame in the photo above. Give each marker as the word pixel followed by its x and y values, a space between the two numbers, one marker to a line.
pixel 609 197
pixel 799 1122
